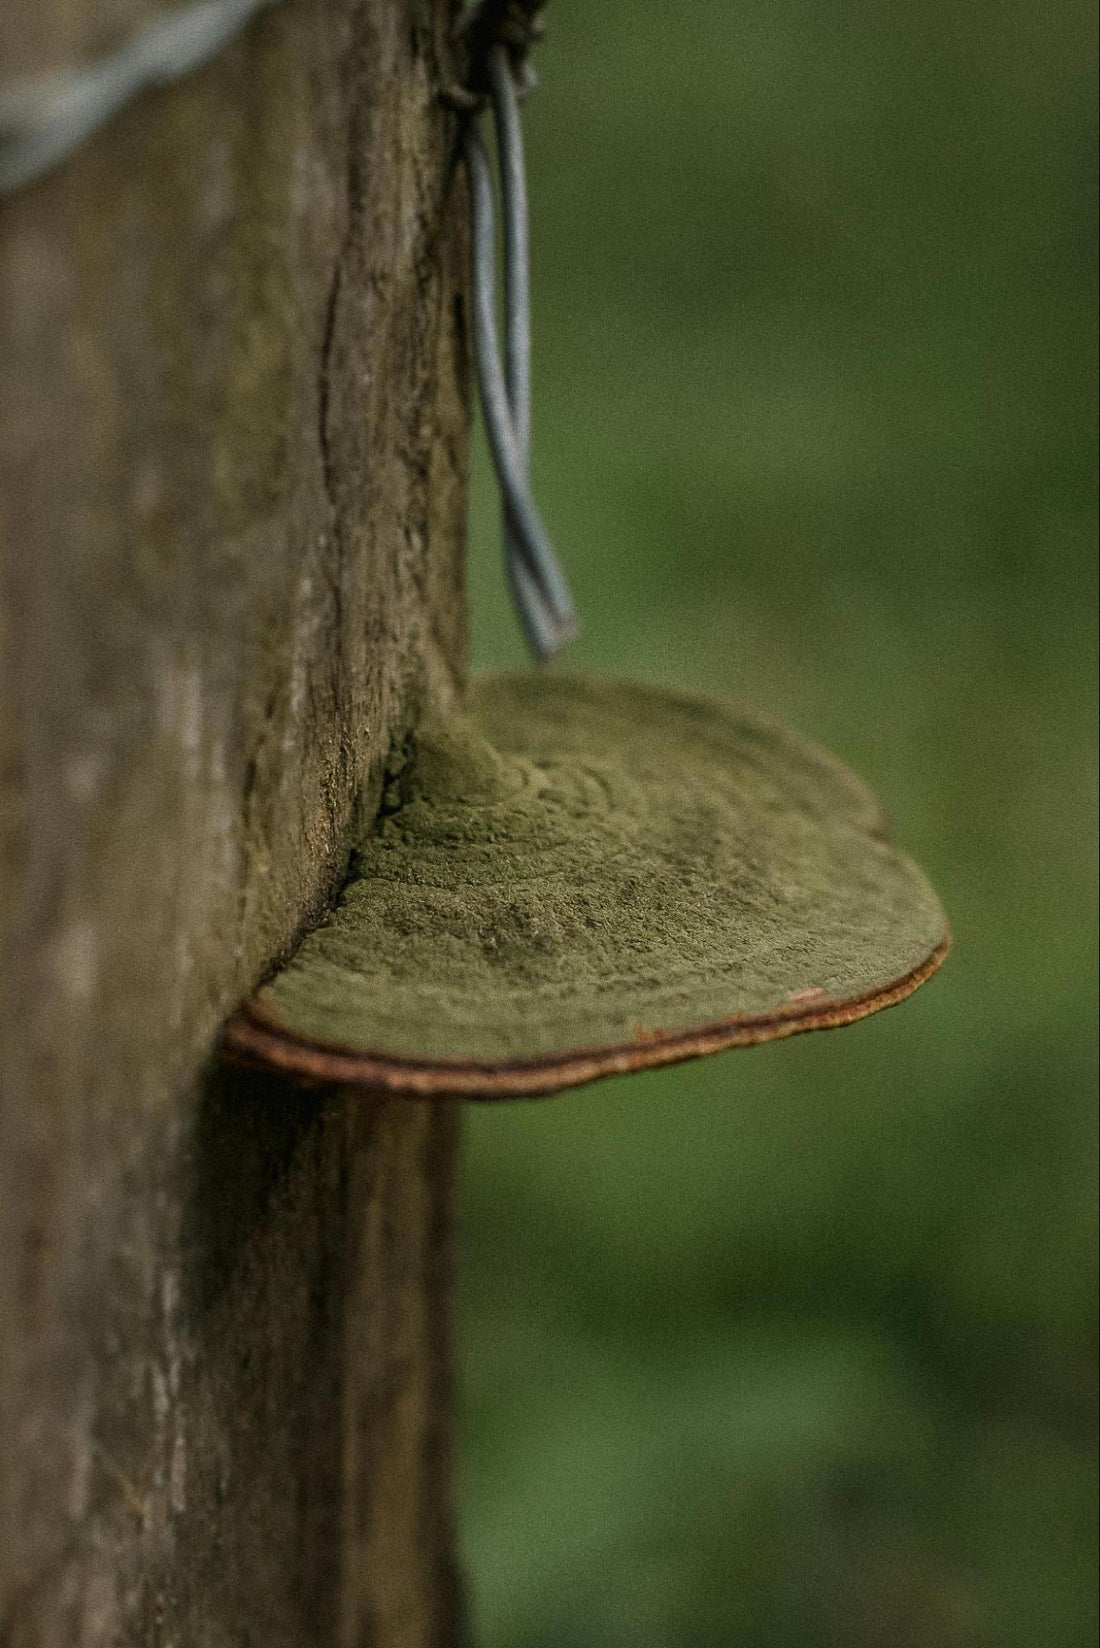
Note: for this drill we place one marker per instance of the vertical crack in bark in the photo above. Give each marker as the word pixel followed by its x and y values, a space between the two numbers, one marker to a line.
pixel 324 389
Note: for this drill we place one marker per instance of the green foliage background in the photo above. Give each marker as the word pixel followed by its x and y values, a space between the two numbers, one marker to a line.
pixel 794 1348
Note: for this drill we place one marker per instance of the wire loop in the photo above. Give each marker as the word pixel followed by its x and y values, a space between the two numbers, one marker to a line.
pixel 487 24
pixel 539 591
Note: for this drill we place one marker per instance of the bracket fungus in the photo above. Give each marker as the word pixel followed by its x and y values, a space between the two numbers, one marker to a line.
pixel 579 878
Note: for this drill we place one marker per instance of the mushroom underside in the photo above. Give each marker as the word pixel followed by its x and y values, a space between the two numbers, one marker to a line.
pixel 582 877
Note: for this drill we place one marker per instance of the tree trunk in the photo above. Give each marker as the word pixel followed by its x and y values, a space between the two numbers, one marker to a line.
pixel 233 437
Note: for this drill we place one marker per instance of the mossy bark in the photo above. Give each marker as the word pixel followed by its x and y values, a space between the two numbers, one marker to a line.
pixel 233 438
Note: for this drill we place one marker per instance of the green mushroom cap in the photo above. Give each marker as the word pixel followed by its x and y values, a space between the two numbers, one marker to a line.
pixel 583 876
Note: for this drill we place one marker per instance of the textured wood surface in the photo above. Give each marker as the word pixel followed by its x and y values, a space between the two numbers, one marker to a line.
pixel 232 429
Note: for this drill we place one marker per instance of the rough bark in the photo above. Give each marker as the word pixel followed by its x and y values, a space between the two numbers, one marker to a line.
pixel 233 438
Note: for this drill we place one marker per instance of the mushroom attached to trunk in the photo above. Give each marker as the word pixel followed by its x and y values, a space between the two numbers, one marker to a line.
pixel 579 878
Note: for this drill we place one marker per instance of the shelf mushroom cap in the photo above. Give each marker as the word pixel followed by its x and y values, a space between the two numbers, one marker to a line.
pixel 582 877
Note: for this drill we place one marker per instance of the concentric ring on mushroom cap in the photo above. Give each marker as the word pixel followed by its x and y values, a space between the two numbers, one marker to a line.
pixel 582 877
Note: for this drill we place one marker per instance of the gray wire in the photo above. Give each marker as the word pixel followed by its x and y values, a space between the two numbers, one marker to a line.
pixel 43 121
pixel 517 256
pixel 517 311
pixel 538 586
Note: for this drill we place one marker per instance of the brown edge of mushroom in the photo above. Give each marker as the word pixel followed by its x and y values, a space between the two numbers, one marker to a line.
pixel 253 1037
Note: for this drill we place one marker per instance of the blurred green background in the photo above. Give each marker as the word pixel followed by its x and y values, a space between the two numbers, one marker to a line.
pixel 794 1348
